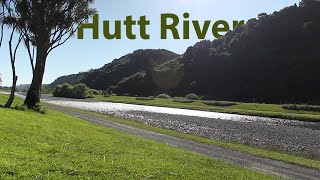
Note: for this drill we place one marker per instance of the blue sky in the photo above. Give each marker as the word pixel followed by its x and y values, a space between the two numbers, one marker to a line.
pixel 81 55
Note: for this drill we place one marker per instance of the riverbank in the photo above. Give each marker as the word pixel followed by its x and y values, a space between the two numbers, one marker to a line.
pixel 250 109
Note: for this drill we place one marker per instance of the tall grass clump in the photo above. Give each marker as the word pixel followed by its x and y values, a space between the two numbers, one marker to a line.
pixel 192 97
pixel 164 96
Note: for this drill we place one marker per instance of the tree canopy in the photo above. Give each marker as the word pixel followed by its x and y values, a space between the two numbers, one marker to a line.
pixel 43 26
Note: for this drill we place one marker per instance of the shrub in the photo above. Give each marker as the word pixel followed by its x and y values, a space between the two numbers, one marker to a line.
pixel 94 92
pixel 40 109
pixel 45 90
pixel 301 107
pixel 57 91
pixel 113 94
pixel 183 100
pixel 219 103
pixel 164 96
pixel 105 94
pixel 21 107
pixel 80 91
pixel 192 96
pixel 145 98
pixel 66 90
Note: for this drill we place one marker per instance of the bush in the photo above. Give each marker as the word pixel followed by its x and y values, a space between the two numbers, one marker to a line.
pixel 192 96
pixel 57 91
pixel 94 92
pixel 40 109
pixel 113 94
pixel 183 100
pixel 105 94
pixel 164 96
pixel 21 107
pixel 301 107
pixel 219 103
pixel 66 90
pixel 80 91
pixel 145 98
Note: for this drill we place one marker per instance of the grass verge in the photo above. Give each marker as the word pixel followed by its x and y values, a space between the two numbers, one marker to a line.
pixel 251 109
pixel 292 159
pixel 59 146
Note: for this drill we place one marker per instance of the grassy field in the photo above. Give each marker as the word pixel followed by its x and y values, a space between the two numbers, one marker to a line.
pixel 252 109
pixel 58 146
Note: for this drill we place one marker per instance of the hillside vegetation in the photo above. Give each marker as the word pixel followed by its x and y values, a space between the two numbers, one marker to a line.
pixel 271 59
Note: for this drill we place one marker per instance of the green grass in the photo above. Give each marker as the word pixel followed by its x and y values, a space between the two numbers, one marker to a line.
pixel 59 146
pixel 251 109
pixel 292 159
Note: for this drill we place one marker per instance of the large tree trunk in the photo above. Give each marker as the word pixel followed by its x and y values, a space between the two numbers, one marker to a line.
pixel 34 93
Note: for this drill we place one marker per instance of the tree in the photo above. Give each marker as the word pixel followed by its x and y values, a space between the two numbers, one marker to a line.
pixel 309 3
pixel 7 18
pixel 46 25
pixel 0 79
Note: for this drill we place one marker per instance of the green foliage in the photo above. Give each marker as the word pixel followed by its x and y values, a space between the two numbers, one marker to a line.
pixel 297 107
pixel 95 92
pixel 164 96
pixel 192 96
pixel 46 90
pixel 220 103
pixel 57 91
pixel 21 107
pixel 79 91
pixel 66 90
pixel 145 98
pixel 40 109
pixel 105 94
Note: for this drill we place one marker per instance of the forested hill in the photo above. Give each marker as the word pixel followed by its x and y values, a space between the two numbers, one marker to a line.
pixel 117 70
pixel 272 58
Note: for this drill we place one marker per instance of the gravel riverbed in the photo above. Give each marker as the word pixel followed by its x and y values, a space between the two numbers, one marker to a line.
pixel 294 137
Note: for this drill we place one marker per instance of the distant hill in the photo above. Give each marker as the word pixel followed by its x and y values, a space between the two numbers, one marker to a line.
pixel 274 58
pixel 119 69
pixel 70 79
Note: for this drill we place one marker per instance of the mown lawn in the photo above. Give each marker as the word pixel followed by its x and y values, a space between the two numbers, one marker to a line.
pixel 59 146
pixel 253 109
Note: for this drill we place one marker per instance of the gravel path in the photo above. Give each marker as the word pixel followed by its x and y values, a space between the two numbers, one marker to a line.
pixel 294 137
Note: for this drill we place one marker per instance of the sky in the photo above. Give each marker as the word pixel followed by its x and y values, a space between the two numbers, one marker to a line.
pixel 82 55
